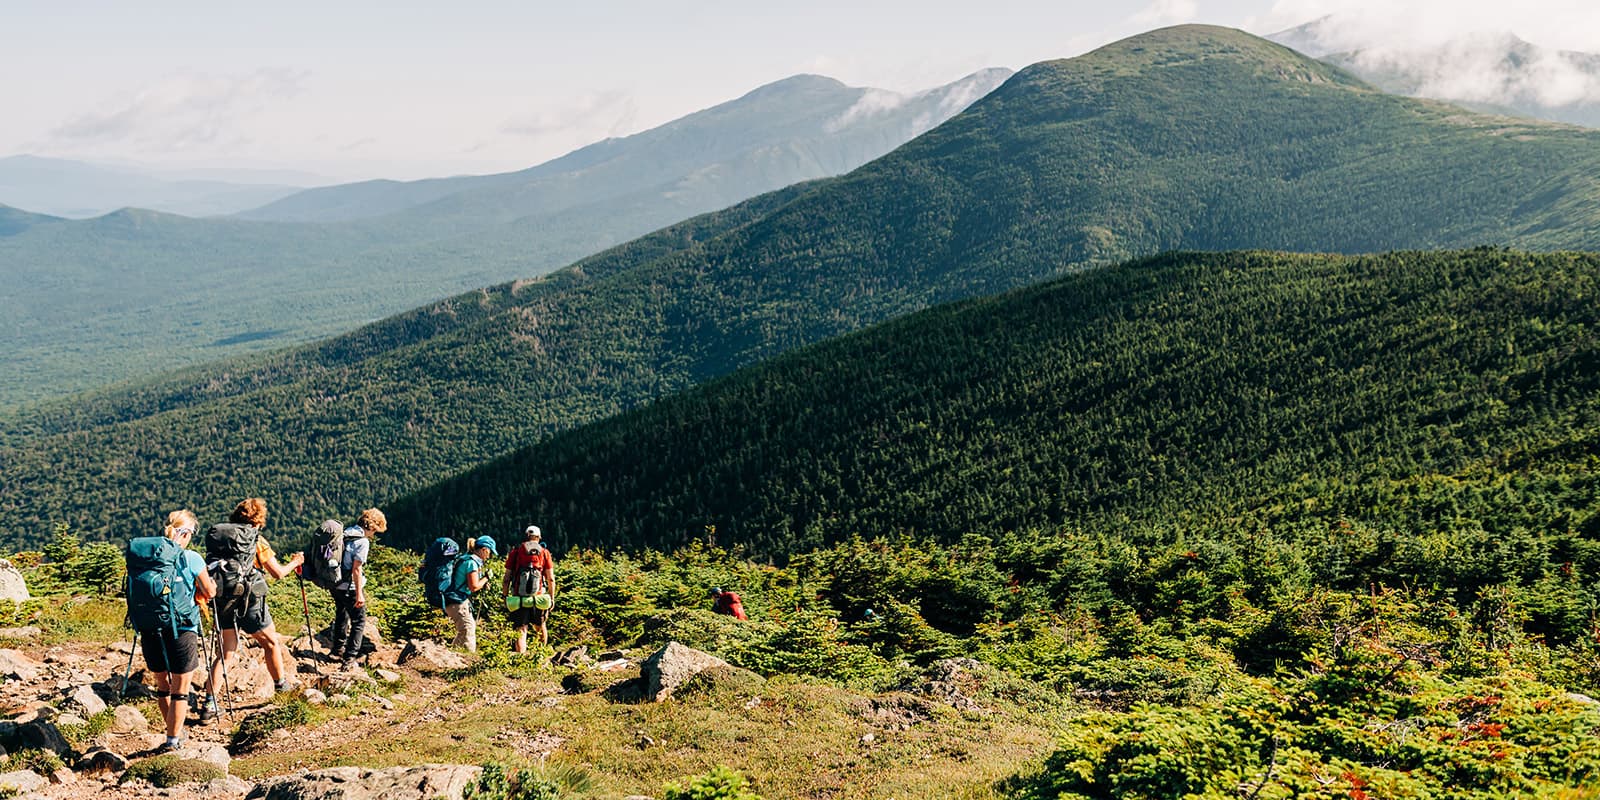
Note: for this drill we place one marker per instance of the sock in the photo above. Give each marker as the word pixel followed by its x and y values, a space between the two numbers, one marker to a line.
pixel 173 741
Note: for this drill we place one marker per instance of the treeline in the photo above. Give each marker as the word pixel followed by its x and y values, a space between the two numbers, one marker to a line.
pixel 1197 137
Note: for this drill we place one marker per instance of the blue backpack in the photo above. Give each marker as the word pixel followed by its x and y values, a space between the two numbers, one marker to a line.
pixel 438 570
pixel 157 596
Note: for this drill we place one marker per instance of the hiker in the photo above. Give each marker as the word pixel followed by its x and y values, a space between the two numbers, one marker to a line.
pixel 237 555
pixel 350 593
pixel 729 603
pixel 166 582
pixel 466 578
pixel 529 587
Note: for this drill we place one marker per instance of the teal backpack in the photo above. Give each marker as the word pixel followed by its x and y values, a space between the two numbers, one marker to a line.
pixel 157 596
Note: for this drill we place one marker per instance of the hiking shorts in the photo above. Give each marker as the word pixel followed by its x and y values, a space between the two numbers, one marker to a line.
pixel 250 615
pixel 529 615
pixel 162 653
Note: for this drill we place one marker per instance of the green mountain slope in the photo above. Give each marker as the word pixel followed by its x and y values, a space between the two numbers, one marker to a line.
pixel 1181 389
pixel 137 293
pixel 1191 137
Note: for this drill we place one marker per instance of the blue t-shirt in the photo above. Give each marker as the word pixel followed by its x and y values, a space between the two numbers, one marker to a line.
pixel 465 566
pixel 189 569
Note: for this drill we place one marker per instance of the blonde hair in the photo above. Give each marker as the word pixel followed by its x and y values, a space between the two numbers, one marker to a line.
pixel 251 511
pixel 183 518
pixel 373 521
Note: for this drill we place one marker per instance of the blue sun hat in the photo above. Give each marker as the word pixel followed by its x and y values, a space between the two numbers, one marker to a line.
pixel 486 541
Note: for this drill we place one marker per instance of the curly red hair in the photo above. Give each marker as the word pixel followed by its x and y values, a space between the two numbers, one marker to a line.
pixel 251 511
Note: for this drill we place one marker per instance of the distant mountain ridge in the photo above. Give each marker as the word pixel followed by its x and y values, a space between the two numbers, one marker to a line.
pixel 76 189
pixel 808 125
pixel 98 301
pixel 1192 137
pixel 1496 72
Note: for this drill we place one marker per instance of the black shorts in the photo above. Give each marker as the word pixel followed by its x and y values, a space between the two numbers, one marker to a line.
pixel 162 653
pixel 248 614
pixel 529 615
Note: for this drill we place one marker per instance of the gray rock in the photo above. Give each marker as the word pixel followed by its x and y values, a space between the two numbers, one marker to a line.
pixel 1582 699
pixel 43 734
pixel 424 655
pixel 12 585
pixel 85 699
pixel 229 786
pixel 369 643
pixel 669 667
pixel 386 676
pixel 63 776
pixel 422 782
pixel 100 761
pixel 577 656
pixel 24 632
pixel 26 780
pixel 211 753
pixel 128 720
pixel 17 665
pixel 315 697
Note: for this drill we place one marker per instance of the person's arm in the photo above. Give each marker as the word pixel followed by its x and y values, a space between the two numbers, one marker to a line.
pixel 475 580
pixel 269 560
pixel 204 587
pixel 356 569
pixel 505 580
pixel 550 574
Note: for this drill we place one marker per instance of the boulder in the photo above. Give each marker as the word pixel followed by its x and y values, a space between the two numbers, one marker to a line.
pixel 26 780
pixel 421 782
pixel 227 786
pixel 672 665
pixel 314 696
pixel 386 676
pixel 100 761
pixel 28 632
pixel 127 720
pixel 209 752
pixel 577 656
pixel 85 700
pixel 369 643
pixel 12 585
pixel 43 735
pixel 424 655
pixel 17 665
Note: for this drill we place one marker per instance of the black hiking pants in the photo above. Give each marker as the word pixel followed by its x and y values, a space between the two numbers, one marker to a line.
pixel 349 626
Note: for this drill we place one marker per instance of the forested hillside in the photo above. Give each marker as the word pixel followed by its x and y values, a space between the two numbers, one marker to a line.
pixel 137 293
pixel 1191 137
pixel 1169 394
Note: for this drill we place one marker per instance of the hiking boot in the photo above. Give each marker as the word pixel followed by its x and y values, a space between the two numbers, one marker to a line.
pixel 287 685
pixel 208 710
pixel 170 746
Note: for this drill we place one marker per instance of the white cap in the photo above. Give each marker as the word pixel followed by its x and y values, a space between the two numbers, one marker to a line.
pixel 532 530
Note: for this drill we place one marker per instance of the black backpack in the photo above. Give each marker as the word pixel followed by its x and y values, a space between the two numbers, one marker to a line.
pixel 325 555
pixel 231 559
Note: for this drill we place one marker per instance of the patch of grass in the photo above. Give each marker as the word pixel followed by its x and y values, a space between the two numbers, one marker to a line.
pixel 166 771
pixel 79 735
pixel 43 762
pixel 257 727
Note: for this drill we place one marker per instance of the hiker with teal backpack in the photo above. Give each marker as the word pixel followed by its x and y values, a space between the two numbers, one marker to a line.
pixel 167 582
pixel 467 577
pixel 336 561
pixel 240 561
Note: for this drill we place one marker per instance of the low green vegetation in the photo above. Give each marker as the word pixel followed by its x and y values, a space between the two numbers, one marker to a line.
pixel 165 771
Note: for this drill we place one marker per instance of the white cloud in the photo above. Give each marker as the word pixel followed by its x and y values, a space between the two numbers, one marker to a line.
pixel 1167 12
pixel 1556 24
pixel 612 112
pixel 184 112
pixel 871 103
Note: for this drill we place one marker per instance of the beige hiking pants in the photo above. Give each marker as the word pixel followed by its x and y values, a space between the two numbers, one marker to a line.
pixel 466 626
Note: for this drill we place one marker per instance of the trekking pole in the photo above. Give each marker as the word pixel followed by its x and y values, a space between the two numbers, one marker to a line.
pixel 128 673
pixel 222 656
pixel 305 605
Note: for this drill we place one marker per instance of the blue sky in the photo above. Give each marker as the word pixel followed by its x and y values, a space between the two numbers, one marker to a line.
pixel 414 89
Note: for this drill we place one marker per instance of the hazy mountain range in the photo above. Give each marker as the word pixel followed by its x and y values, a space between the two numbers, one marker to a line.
pixel 1192 137
pixel 78 189
pixel 135 292
pixel 1490 71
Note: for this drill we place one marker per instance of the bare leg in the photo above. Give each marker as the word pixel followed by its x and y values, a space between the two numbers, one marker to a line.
pixel 271 650
pixel 178 706
pixel 230 643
